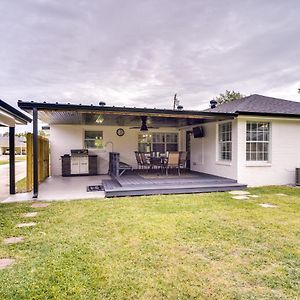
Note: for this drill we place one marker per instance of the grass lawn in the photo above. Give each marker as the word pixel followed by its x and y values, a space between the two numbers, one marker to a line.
pixel 17 159
pixel 206 246
pixel 21 186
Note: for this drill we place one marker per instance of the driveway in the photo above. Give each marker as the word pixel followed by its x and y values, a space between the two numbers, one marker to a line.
pixel 4 177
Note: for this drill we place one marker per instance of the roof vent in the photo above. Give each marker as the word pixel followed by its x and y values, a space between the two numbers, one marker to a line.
pixel 102 103
pixel 213 103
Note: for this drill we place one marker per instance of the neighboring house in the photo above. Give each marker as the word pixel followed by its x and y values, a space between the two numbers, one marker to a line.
pixel 20 145
pixel 254 140
pixel 11 117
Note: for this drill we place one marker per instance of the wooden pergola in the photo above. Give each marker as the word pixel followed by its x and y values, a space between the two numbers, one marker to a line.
pixel 10 117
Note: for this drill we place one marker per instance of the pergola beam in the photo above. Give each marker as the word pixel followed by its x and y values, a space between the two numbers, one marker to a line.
pixel 114 110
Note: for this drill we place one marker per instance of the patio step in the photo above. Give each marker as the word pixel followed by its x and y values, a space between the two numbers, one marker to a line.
pixel 141 190
pixel 129 180
pixel 110 184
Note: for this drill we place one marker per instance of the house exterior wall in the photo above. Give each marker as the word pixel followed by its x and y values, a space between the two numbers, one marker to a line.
pixel 63 138
pixel 204 152
pixel 284 154
pixel 18 150
pixel 284 150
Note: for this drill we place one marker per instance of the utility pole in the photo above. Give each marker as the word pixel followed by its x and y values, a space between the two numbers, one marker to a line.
pixel 176 102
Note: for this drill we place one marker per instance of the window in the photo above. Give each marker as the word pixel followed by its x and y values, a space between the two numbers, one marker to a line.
pixel 158 142
pixel 225 141
pixel 144 142
pixel 257 141
pixel 93 139
pixel 171 142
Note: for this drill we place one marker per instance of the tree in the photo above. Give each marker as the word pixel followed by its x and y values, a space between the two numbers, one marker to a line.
pixel 23 134
pixel 42 133
pixel 228 96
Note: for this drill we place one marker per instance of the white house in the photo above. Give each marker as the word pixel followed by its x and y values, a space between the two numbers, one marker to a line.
pixel 20 145
pixel 265 141
pixel 11 117
pixel 253 141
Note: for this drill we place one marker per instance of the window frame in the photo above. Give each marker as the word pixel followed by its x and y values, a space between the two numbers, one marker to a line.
pixel 220 159
pixel 255 142
pixel 84 139
pixel 164 141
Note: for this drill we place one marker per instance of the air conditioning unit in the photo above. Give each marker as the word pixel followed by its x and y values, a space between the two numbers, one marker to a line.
pixel 297 176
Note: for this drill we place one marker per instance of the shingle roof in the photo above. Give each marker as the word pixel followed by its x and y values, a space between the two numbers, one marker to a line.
pixel 259 104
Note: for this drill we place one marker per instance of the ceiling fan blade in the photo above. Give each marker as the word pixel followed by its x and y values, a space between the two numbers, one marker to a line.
pixel 144 126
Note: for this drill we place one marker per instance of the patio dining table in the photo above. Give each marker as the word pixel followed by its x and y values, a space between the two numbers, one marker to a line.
pixel 158 161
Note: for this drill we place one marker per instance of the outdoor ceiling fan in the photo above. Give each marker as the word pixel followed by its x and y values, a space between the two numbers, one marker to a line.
pixel 144 126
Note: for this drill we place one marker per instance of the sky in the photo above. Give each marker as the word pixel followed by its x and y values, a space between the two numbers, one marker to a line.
pixel 140 53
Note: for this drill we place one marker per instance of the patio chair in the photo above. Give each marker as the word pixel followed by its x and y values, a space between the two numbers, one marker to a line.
pixel 116 167
pixel 156 161
pixel 138 159
pixel 145 161
pixel 182 160
pixel 172 162
pixel 123 167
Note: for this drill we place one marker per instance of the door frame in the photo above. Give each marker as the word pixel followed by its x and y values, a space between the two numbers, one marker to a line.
pixel 188 134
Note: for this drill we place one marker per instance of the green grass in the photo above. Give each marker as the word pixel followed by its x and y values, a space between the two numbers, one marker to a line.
pixel 206 246
pixel 18 158
pixel 21 186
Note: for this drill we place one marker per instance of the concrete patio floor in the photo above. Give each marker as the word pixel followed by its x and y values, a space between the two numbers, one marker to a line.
pixel 57 188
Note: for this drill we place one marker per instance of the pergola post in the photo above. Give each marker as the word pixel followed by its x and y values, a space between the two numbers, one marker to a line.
pixel 12 170
pixel 35 153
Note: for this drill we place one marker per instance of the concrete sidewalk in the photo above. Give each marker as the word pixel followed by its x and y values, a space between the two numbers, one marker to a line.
pixel 4 177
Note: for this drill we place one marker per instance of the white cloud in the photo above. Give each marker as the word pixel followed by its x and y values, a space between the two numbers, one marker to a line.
pixel 139 53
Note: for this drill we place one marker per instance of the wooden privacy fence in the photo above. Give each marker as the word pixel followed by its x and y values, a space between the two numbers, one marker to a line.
pixel 43 160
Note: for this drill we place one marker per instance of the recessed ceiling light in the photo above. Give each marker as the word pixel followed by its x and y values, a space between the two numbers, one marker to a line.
pixel 99 119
